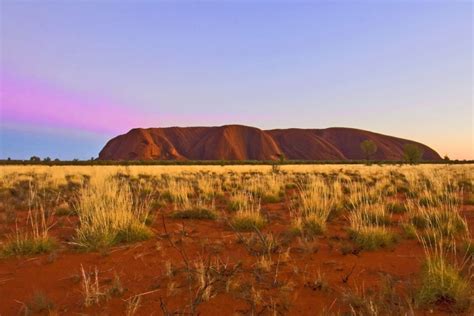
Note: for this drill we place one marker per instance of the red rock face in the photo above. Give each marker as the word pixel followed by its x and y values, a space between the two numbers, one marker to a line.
pixel 237 142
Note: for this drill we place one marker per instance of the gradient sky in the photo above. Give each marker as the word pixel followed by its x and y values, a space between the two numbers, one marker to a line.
pixel 75 73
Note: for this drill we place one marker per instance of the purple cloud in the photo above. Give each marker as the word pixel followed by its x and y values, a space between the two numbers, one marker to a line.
pixel 39 104
pixel 33 102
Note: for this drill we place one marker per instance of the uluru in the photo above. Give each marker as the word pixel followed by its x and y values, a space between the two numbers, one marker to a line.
pixel 239 142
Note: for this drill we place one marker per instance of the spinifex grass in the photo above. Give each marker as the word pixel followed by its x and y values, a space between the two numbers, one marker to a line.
pixel 316 201
pixel 396 208
pixel 109 213
pixel 445 219
pixel 368 229
pixel 209 187
pixel 35 240
pixel 248 217
pixel 442 281
pixel 195 209
pixel 178 190
pixel 272 188
pixel 238 199
pixel 361 194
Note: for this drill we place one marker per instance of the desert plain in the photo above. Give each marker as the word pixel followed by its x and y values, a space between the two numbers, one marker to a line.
pixel 237 240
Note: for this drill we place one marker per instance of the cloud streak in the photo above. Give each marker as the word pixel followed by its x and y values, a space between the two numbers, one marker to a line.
pixel 26 101
pixel 32 103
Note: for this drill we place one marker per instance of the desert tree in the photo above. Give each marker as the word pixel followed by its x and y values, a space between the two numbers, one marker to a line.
pixel 412 153
pixel 281 158
pixel 35 158
pixel 368 148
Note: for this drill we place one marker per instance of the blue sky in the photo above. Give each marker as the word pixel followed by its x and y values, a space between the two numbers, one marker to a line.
pixel 76 73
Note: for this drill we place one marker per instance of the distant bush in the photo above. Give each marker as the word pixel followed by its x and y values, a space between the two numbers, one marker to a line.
pixel 368 148
pixel 412 153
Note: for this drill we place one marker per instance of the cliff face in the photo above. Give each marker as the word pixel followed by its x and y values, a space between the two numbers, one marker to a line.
pixel 237 142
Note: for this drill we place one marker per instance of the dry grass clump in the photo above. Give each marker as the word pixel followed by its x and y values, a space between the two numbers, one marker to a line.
pixel 361 194
pixel 317 201
pixel 248 217
pixel 24 244
pixel 109 213
pixel 91 289
pixel 39 303
pixel 35 240
pixel 196 209
pixel 209 186
pixel 273 188
pixel 187 206
pixel 178 190
pixel 267 187
pixel 396 207
pixel 238 199
pixel 444 219
pixel 442 281
pixel 368 228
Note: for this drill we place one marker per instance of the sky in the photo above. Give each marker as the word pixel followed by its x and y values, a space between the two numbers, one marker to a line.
pixel 74 74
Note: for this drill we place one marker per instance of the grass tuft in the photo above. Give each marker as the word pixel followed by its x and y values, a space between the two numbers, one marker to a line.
pixel 110 213
pixel 442 282
pixel 396 208
pixel 248 218
pixel 25 245
pixel 373 237
pixel 200 213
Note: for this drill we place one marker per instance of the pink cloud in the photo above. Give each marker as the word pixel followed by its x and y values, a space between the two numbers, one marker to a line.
pixel 33 102
pixel 38 104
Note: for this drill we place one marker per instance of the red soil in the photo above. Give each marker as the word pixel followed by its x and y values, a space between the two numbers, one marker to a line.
pixel 141 269
pixel 237 142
